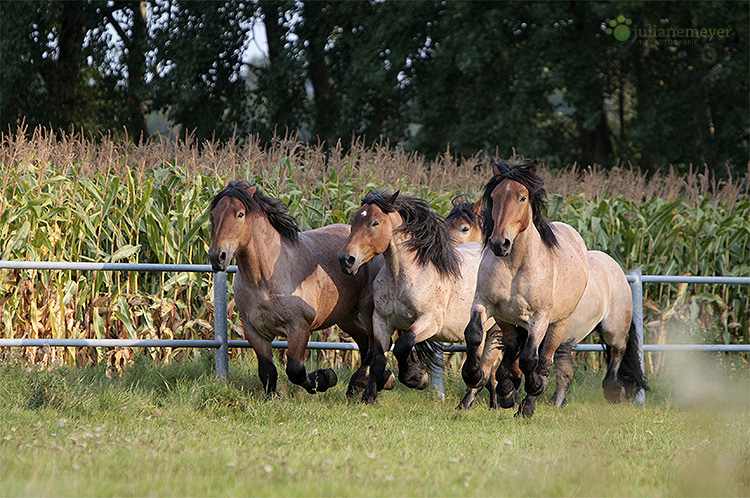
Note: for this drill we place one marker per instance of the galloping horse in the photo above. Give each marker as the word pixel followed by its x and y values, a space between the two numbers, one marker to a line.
pixel 533 277
pixel 463 226
pixel 606 306
pixel 425 287
pixel 288 283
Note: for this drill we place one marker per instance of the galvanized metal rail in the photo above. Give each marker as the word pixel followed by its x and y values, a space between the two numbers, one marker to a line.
pixel 222 343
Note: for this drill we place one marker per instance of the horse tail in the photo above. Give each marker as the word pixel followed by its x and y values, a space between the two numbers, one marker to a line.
pixel 631 368
pixel 430 354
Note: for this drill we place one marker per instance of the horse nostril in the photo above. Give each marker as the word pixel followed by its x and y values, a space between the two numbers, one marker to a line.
pixel 350 260
pixel 222 256
pixel 506 244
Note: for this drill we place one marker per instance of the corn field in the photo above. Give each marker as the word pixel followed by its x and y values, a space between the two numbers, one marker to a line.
pixel 68 198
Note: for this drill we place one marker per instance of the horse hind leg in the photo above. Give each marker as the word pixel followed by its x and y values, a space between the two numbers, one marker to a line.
pixel 564 372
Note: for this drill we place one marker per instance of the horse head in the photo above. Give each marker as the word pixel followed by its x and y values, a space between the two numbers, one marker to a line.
pixel 371 233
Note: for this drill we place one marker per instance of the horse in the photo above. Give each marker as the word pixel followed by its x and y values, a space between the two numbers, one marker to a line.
pixel 288 284
pixel 425 287
pixel 606 306
pixel 533 277
pixel 463 226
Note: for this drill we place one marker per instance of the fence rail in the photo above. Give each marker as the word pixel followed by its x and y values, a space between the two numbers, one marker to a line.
pixel 222 343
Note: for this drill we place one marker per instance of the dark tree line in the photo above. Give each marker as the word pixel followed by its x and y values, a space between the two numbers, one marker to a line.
pixel 543 78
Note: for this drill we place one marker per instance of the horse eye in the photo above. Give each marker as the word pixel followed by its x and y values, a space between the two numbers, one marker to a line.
pixel 464 229
pixel 523 198
pixel 375 224
pixel 240 214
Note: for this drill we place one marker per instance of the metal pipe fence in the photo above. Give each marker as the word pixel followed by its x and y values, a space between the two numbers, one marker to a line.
pixel 222 343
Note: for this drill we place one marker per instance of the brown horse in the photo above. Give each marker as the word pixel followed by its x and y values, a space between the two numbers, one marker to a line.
pixel 424 289
pixel 606 306
pixel 288 284
pixel 532 277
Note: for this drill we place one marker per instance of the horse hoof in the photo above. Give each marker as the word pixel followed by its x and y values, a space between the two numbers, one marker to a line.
pixel 527 407
pixel 325 379
pixel 368 397
pixel 472 376
pixel 415 377
pixel 507 401
pixel 390 381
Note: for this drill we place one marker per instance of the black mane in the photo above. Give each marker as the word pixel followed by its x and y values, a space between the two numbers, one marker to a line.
pixel 522 171
pixel 463 209
pixel 274 209
pixel 429 237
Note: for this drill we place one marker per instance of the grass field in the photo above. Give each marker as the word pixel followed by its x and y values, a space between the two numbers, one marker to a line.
pixel 174 430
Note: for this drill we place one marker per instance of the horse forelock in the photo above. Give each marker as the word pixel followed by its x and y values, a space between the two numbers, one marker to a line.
pixel 465 211
pixel 522 171
pixel 272 208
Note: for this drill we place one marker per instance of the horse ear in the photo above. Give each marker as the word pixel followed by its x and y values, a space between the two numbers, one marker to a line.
pixel 251 190
pixel 477 207
pixel 456 201
pixel 496 169
pixel 532 166
pixel 392 198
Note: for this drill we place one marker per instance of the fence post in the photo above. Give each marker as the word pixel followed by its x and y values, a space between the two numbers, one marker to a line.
pixel 636 289
pixel 438 382
pixel 220 324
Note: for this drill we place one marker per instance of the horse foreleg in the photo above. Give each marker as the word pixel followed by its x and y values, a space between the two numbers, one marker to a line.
pixel 317 381
pixel 475 337
pixel 380 377
pixel 536 361
pixel 410 372
pixel 264 353
pixel 508 373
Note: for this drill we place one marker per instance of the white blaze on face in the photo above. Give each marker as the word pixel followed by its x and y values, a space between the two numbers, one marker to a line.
pixel 363 213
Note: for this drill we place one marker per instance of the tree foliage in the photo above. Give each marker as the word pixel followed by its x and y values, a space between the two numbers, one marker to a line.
pixel 478 77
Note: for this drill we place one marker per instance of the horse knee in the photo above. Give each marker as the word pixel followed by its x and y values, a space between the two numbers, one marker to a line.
pixel 403 347
pixel 473 332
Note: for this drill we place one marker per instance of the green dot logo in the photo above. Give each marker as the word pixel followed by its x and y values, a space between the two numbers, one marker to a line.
pixel 619 28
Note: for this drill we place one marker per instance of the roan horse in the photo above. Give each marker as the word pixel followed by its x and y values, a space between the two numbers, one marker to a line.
pixel 463 226
pixel 425 288
pixel 606 306
pixel 533 277
pixel 288 284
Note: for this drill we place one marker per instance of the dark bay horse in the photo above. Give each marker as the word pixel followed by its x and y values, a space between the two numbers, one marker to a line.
pixel 606 306
pixel 533 277
pixel 288 284
pixel 424 289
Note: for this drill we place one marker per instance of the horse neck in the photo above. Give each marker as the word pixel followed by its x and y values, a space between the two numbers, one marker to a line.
pixel 528 247
pixel 400 261
pixel 259 257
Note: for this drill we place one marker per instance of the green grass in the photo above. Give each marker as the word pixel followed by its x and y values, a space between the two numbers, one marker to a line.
pixel 174 430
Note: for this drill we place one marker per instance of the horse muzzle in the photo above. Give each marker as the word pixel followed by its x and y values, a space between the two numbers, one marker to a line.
pixel 219 259
pixel 501 246
pixel 349 264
